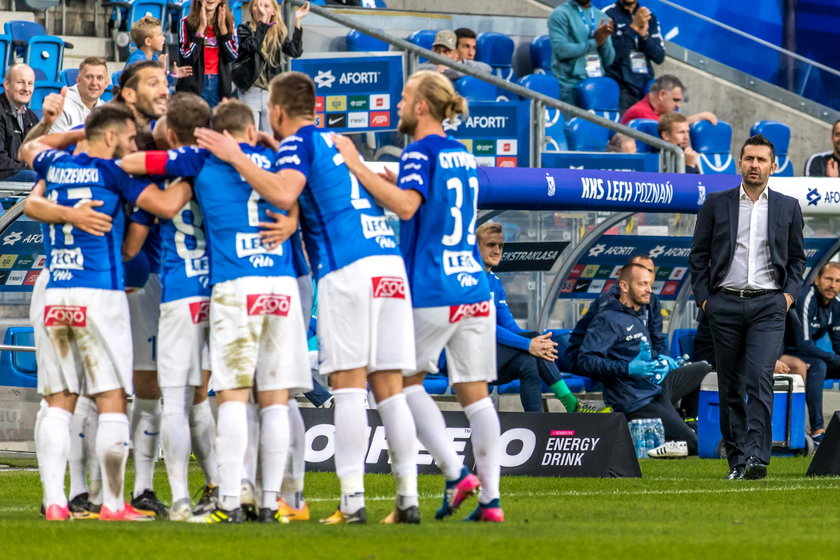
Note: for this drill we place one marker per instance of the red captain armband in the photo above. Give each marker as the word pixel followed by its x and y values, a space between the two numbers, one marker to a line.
pixel 156 162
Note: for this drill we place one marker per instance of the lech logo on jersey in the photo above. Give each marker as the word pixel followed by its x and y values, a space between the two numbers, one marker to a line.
pixel 65 316
pixel 388 287
pixel 467 310
pixel 200 311
pixel 269 304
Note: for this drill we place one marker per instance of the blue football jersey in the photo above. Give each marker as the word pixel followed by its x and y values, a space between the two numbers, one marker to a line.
pixel 298 258
pixel 231 211
pixel 438 243
pixel 340 220
pixel 151 248
pixel 79 259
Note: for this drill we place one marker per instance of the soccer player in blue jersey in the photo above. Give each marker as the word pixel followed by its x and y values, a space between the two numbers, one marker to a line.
pixel 255 315
pixel 85 311
pixel 365 326
pixel 435 197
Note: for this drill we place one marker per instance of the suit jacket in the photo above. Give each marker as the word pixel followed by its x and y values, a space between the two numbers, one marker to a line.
pixel 716 231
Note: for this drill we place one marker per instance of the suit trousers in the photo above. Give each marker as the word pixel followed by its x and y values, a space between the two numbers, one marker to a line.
pixel 748 334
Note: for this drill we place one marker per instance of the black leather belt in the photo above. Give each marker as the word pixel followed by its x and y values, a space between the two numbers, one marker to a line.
pixel 746 294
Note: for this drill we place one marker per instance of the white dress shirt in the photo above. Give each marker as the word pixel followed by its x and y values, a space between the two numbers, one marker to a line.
pixel 751 267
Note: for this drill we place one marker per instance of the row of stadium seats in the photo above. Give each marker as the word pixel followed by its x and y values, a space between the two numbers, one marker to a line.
pixel 29 42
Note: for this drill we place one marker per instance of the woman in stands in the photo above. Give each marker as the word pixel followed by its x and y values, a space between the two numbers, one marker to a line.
pixel 209 44
pixel 264 43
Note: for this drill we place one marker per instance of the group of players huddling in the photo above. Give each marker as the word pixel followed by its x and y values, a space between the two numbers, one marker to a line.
pixel 236 295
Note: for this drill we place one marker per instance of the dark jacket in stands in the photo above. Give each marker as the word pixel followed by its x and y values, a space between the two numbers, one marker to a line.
pixel 251 63
pixel 612 341
pixel 625 42
pixel 11 136
pixel 192 54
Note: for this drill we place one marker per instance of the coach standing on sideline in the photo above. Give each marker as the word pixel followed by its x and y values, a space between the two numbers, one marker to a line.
pixel 747 260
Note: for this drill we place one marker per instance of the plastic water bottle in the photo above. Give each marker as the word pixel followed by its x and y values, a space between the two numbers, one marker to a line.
pixel 650 435
pixel 659 431
pixel 637 433
pixel 644 347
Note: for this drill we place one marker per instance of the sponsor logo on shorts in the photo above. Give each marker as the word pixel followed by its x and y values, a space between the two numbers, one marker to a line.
pixel 200 311
pixel 65 316
pixel 269 304
pixel 467 310
pixel 388 287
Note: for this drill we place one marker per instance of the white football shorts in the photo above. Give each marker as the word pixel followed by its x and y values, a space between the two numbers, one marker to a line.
pixel 183 334
pixel 144 306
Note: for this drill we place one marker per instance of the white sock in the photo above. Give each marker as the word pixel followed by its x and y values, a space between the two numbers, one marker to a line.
pixel 42 409
pixel 53 450
pixel 145 426
pixel 291 490
pixel 77 459
pixel 231 441
pixel 350 419
pixel 249 465
pixel 175 429
pixel 274 447
pixel 203 438
pixel 431 431
pixel 112 453
pixel 485 434
pixel 401 436
pixel 94 472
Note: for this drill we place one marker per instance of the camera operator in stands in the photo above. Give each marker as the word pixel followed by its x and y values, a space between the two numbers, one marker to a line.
pixel 638 380
pixel 826 164
pixel 666 94
pixel 637 42
pixel 445 44
pixel 16 120
pixel 673 128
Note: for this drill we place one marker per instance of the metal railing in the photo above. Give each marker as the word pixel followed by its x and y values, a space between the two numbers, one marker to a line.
pixel 671 158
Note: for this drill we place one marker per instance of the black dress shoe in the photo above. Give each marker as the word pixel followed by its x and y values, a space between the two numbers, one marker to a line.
pixel 736 473
pixel 755 469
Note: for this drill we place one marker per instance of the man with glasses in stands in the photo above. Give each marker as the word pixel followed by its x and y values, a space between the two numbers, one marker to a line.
pixel 16 120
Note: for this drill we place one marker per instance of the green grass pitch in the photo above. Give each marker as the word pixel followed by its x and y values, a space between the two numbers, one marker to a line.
pixel 679 509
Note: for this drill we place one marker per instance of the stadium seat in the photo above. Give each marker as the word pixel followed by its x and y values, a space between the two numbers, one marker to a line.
pixel 682 342
pixel 43 89
pixel 436 384
pixel 154 8
pixel 584 136
pixel 18 369
pixel 68 76
pixel 359 42
pixel 496 49
pixel 108 94
pixel 546 84
pixel 474 89
pixel 648 126
pixel 422 38
pixel 21 32
pixel 236 10
pixel 575 383
pixel 713 144
pixel 779 134
pixel 115 77
pixel 45 53
pixel 541 55
pixel 5 52
pixel 599 96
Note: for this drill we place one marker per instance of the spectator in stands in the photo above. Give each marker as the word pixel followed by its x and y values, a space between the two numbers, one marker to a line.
pixel 652 311
pixel 638 379
pixel 16 121
pixel 621 144
pixel 264 42
pixel 580 44
pixel 445 44
pixel 666 94
pixel 147 34
pixel 465 43
pixel 826 164
pixel 819 317
pixel 85 96
pixel 673 127
pixel 520 354
pixel 210 45
pixel 637 42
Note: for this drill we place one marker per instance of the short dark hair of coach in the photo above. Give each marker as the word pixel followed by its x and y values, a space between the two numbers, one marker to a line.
pixel 747 261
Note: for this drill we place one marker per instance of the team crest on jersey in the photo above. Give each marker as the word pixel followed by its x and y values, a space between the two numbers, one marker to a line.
pixel 269 304
pixel 65 316
pixel 200 311
pixel 467 310
pixel 388 287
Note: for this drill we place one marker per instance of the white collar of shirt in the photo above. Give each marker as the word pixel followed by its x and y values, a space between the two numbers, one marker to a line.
pixel 763 194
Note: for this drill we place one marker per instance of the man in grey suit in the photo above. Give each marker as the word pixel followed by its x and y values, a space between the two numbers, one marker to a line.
pixel 747 260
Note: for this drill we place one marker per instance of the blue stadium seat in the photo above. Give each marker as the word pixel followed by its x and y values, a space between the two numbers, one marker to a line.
pixel 648 126
pixel 108 94
pixel 115 77
pixel 779 134
pixel 599 96
pixel 422 38
pixel 68 76
pixel 236 10
pixel 584 136
pixel 359 42
pixel 547 85
pixel 575 383
pixel 154 8
pixel 5 52
pixel 713 144
pixel 45 53
pixel 474 89
pixel 496 49
pixel 541 55
pixel 21 32
pixel 18 369
pixel 42 89
pixel 682 342
pixel 436 384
